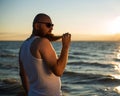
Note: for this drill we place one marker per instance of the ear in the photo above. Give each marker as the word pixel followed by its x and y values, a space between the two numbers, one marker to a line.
pixel 36 26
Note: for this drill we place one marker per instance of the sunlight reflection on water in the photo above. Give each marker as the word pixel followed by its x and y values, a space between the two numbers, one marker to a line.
pixel 117 68
pixel 117 89
pixel 118 56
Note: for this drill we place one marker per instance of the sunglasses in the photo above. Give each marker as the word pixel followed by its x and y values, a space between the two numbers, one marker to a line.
pixel 49 25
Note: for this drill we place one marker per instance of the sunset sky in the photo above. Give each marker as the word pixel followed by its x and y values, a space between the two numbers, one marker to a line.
pixel 84 19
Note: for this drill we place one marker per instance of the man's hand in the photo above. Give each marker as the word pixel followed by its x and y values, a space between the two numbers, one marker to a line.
pixel 66 39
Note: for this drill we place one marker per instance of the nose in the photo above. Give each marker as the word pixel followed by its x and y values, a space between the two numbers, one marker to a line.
pixel 51 28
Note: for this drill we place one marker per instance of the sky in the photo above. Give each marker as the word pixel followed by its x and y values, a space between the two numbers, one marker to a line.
pixel 83 19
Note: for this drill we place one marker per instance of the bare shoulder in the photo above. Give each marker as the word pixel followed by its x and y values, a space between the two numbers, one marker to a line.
pixel 44 44
pixel 38 46
pixel 44 40
pixel 41 41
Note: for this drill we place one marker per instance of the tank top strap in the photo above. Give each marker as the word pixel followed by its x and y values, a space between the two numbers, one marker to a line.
pixel 33 38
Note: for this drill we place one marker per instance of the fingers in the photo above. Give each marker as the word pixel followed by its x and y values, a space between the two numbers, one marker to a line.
pixel 66 35
pixel 66 39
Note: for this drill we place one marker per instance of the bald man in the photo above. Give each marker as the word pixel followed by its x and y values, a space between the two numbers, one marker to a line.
pixel 40 68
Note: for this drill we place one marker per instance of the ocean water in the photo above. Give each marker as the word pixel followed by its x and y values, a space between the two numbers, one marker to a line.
pixel 93 69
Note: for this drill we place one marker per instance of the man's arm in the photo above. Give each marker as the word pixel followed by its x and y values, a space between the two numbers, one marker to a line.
pixel 57 65
pixel 24 77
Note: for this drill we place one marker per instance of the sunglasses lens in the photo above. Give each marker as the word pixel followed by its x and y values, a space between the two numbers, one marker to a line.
pixel 49 25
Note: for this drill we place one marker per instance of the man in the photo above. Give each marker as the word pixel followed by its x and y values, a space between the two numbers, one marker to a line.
pixel 40 68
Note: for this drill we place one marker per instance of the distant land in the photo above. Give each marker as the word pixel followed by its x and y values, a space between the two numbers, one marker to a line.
pixel 86 37
pixel 75 37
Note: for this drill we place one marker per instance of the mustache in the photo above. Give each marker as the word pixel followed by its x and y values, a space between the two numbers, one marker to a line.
pixel 52 37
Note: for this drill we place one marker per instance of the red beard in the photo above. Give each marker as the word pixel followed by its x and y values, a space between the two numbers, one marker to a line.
pixel 52 37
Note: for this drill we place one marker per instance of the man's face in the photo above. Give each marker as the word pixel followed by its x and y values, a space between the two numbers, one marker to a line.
pixel 45 26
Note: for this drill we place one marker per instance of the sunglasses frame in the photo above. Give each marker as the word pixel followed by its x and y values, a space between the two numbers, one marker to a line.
pixel 48 25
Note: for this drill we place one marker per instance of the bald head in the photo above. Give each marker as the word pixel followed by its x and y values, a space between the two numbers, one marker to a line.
pixel 41 18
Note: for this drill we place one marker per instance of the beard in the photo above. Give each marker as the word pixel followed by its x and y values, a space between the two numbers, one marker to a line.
pixel 52 37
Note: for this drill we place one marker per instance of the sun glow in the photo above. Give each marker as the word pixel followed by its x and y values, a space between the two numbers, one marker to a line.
pixel 114 26
pixel 117 89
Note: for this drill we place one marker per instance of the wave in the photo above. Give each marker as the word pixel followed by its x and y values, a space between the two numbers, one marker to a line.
pixel 84 54
pixel 8 66
pixel 10 87
pixel 9 52
pixel 89 78
pixel 79 53
pixel 117 59
pixel 8 55
pixel 96 64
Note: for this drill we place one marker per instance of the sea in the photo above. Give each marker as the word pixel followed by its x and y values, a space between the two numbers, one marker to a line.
pixel 93 68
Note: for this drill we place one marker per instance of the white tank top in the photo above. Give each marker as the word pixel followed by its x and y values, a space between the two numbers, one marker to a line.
pixel 42 81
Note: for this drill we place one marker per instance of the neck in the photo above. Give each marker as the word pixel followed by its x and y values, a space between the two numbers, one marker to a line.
pixel 32 35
